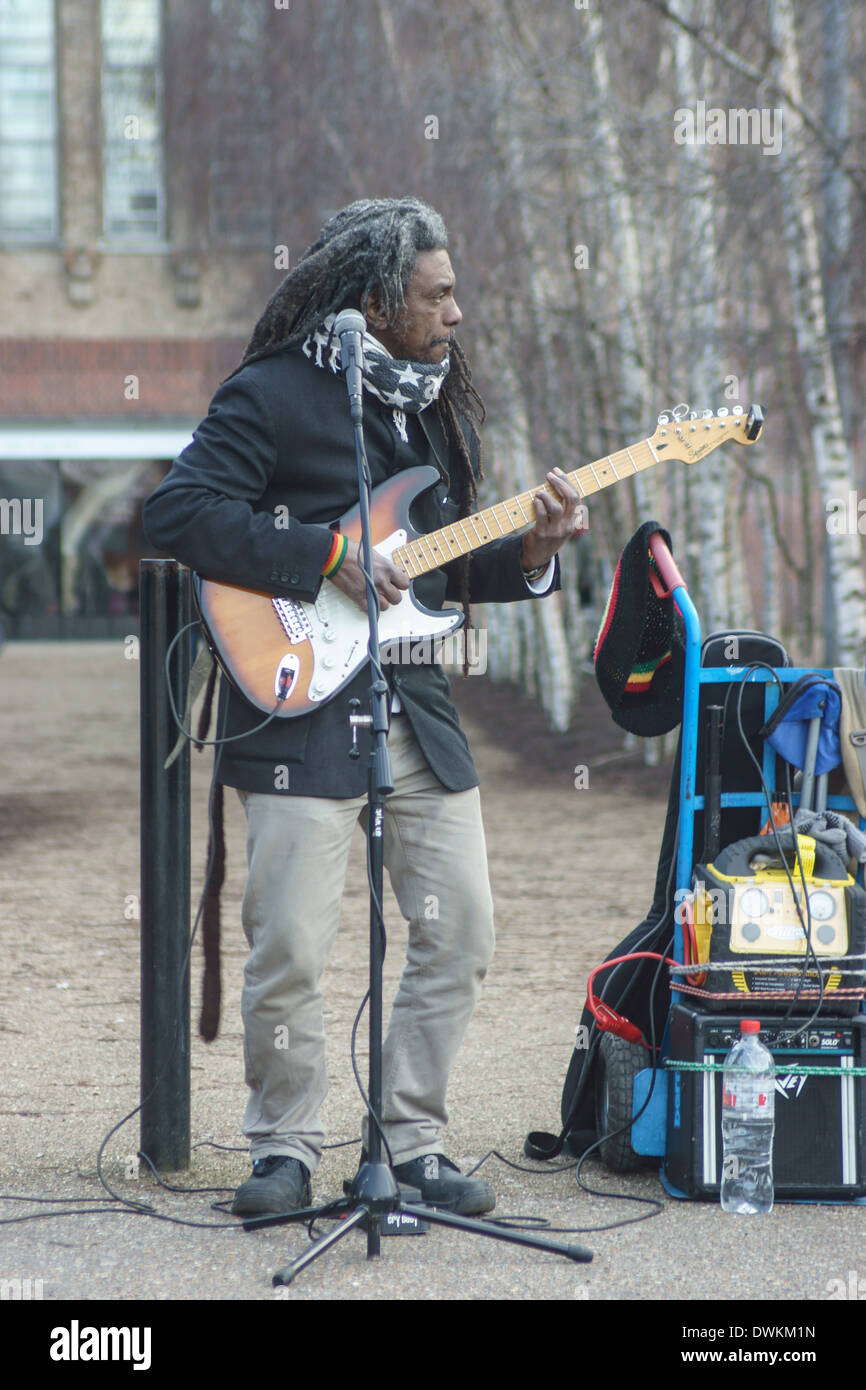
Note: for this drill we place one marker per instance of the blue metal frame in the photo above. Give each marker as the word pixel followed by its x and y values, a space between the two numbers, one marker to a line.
pixel 690 802
pixel 649 1134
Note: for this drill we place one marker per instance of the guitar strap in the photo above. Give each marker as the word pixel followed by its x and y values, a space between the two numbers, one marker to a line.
pixel 432 427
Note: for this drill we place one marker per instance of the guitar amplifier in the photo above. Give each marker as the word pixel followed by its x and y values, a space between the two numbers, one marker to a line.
pixel 819 1144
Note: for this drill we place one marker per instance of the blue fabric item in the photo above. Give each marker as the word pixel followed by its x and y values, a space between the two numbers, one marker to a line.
pixel 790 737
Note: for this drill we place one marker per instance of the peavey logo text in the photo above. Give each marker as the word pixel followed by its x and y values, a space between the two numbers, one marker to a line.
pixel 76 1343
pixel 790 1086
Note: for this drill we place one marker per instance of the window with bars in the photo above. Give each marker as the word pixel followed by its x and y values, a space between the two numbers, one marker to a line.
pixel 133 198
pixel 28 121
pixel 241 128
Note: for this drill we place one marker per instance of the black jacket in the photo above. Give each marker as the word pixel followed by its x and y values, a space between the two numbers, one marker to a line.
pixel 278 434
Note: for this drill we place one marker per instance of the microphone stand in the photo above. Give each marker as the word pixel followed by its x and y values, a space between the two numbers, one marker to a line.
pixel 373 1195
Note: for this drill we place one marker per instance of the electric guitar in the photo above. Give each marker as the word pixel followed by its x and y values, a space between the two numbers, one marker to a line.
pixel 299 655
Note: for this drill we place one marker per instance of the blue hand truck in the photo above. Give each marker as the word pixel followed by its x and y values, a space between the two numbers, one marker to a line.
pixel 675 1104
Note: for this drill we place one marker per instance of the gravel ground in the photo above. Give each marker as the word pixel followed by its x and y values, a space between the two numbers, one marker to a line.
pixel 572 871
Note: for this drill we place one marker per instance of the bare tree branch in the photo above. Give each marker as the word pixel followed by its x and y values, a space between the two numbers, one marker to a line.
pixel 761 79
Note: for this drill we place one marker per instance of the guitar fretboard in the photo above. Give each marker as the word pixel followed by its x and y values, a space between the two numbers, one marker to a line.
pixel 504 518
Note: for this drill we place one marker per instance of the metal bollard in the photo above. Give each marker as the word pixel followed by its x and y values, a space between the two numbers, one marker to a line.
pixel 165 608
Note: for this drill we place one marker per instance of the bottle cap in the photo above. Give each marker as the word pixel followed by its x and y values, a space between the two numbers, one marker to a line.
pixel 750 1025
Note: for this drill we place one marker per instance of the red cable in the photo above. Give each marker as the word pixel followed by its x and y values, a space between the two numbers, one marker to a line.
pixel 608 1020
pixel 691 954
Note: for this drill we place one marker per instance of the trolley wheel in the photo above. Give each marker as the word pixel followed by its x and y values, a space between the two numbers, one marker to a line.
pixel 619 1062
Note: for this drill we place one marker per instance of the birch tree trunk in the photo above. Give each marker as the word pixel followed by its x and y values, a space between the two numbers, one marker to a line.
pixel 837 211
pixel 545 666
pixel 636 408
pixel 697 256
pixel 714 523
pixel 526 641
pixel 832 455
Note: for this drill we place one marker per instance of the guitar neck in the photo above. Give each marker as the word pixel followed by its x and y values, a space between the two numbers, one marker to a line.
pixel 504 518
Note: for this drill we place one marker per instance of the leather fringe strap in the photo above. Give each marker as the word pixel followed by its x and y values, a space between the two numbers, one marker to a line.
pixel 207 705
pixel 204 670
pixel 211 990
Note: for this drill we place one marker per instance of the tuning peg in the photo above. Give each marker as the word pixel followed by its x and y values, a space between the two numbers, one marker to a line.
pixel 737 410
pixel 680 412
pixel 664 418
pixel 706 415
pixel 722 410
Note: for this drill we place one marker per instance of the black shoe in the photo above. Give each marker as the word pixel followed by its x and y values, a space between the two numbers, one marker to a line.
pixel 441 1184
pixel 278 1185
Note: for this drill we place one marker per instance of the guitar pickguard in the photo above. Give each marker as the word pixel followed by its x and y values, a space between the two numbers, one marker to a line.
pixel 338 632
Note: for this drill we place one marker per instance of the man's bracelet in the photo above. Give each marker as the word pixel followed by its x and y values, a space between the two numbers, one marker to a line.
pixel 532 575
pixel 336 556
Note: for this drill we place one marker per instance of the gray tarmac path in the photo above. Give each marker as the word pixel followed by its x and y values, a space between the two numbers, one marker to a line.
pixel 572 871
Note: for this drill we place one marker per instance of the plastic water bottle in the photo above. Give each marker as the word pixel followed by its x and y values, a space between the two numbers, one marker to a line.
pixel 748 1119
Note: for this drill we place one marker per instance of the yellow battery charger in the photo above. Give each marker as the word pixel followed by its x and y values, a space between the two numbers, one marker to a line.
pixel 749 905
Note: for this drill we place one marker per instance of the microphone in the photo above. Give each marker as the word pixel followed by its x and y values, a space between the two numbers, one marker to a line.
pixel 350 326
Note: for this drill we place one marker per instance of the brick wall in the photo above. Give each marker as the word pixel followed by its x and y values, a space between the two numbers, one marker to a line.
pixel 112 378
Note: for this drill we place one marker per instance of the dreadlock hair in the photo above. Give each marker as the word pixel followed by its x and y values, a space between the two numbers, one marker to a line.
pixel 370 248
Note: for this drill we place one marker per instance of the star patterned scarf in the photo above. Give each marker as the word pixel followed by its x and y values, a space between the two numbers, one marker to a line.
pixel 405 386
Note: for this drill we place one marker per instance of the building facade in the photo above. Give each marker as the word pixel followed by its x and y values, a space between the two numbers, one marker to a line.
pixel 138 243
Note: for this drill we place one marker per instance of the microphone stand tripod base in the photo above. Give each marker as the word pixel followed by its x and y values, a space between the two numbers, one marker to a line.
pixel 384 1205
pixel 372 1196
pixel 375 1186
pixel 375 1183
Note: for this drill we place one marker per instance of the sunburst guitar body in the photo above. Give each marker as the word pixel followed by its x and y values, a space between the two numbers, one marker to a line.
pixel 291 657
pixel 280 650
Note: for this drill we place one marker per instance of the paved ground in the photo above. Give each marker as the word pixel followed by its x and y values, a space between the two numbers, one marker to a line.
pixel 572 872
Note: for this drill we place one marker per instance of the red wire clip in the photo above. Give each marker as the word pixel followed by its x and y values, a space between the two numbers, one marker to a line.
pixel 608 1020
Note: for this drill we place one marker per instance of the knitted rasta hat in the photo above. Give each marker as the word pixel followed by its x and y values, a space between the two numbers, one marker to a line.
pixel 640 648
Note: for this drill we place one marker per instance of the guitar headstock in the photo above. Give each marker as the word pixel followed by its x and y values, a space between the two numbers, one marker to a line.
pixel 688 435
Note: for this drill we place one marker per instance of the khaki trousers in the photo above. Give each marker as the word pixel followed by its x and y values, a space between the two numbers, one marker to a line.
pixel 297 850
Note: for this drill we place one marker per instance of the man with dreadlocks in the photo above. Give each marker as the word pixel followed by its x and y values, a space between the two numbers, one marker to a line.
pixel 278 441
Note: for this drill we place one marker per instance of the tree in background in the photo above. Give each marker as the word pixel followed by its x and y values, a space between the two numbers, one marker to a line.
pixel 647 202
